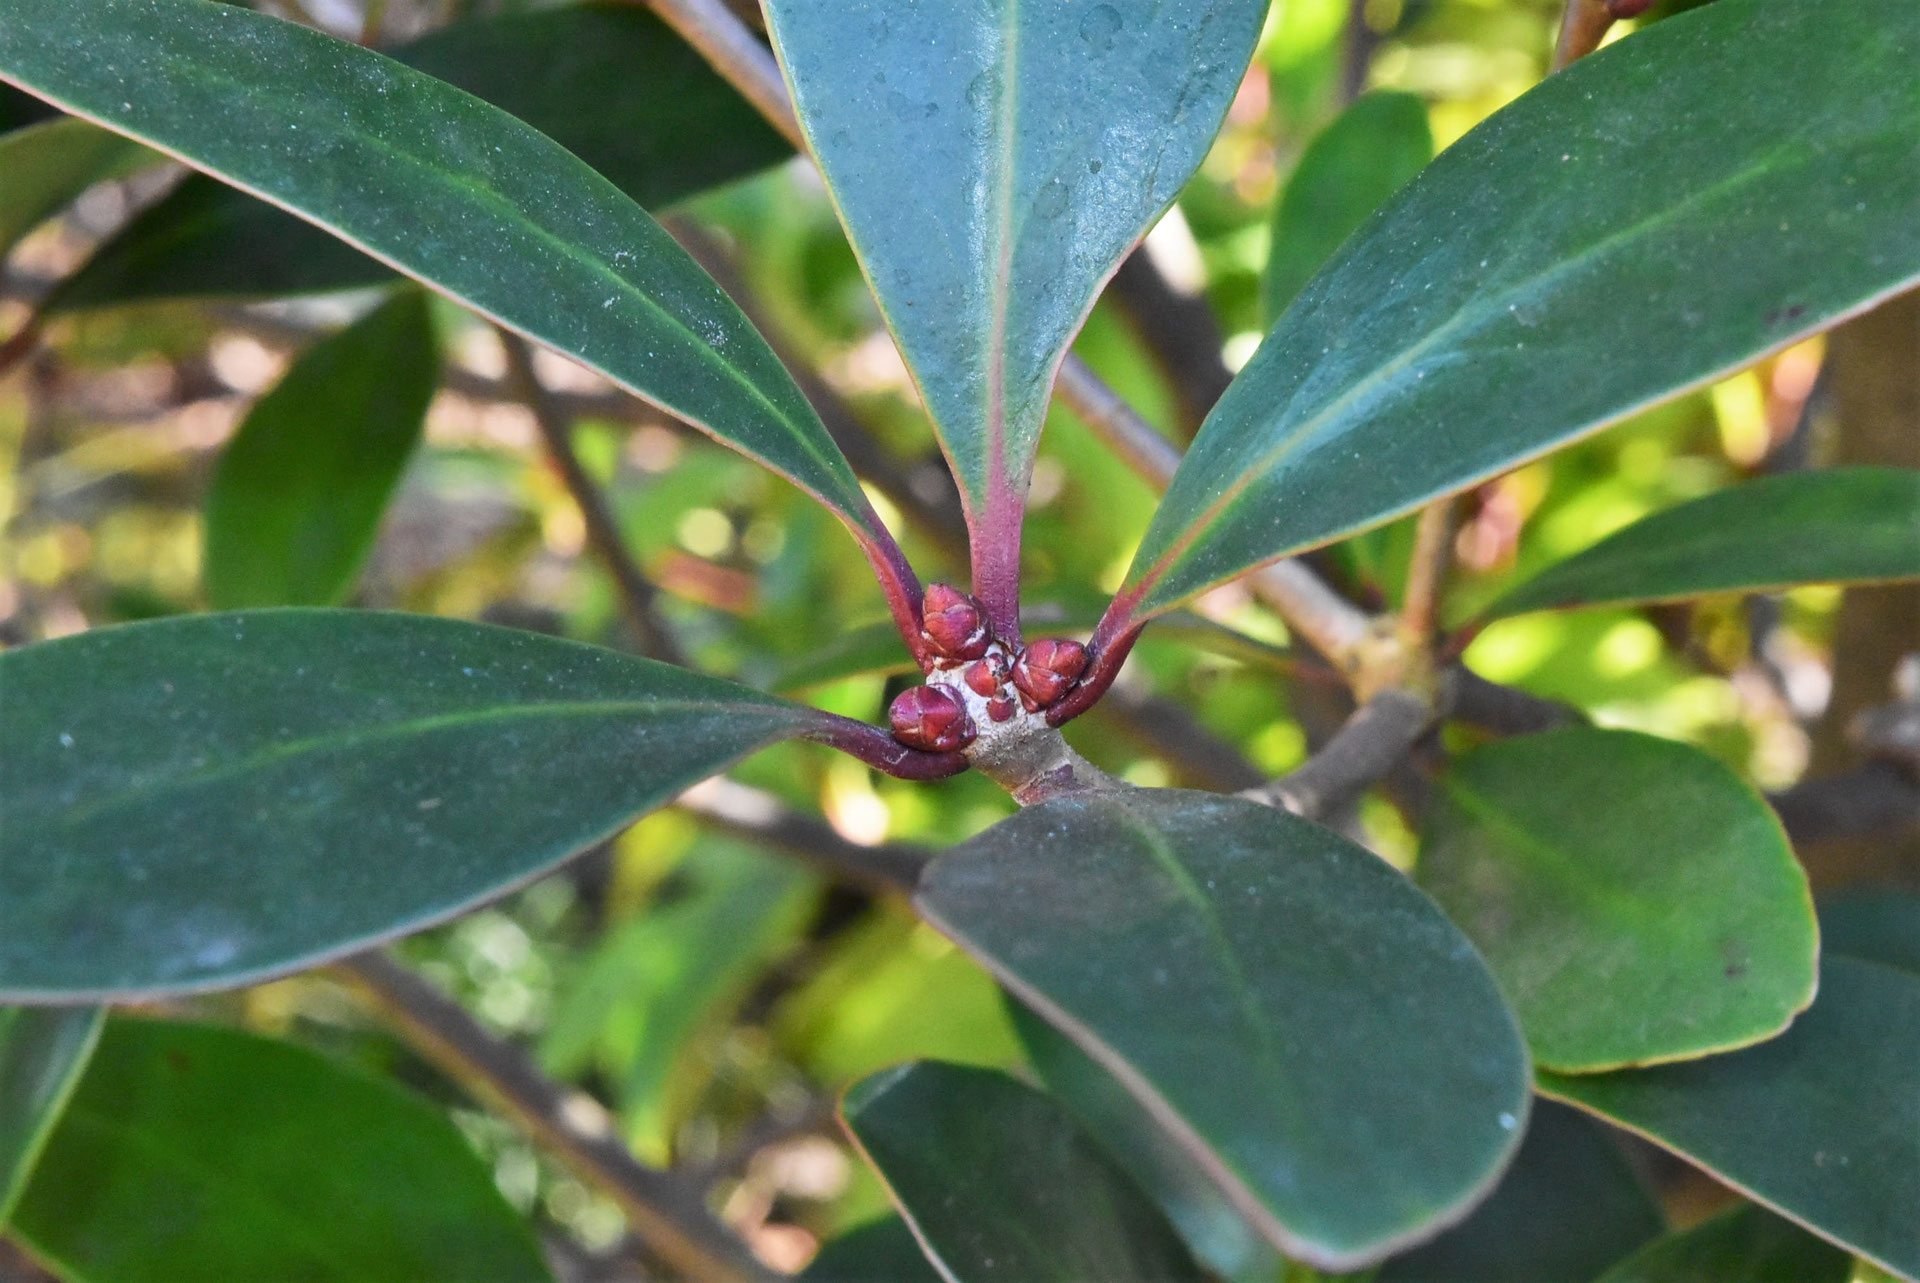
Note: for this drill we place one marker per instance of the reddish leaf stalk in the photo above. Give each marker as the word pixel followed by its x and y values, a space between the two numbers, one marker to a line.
pixel 900 585
pixel 882 751
pixel 996 558
pixel 1106 653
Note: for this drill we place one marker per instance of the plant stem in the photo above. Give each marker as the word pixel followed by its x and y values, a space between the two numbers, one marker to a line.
pixel 1427 575
pixel 371 20
pixel 1359 755
pixel 1582 27
pixel 639 598
pixel 881 751
pixel 670 1215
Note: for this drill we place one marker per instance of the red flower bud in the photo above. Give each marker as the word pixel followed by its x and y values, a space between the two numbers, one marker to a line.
pixel 953 623
pixel 986 676
pixel 1046 669
pixel 926 717
pixel 1001 708
pixel 1628 8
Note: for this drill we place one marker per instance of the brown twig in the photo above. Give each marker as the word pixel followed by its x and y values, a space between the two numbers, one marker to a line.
pixel 668 1213
pixel 1427 576
pixel 1361 754
pixel 639 599
pixel 1582 27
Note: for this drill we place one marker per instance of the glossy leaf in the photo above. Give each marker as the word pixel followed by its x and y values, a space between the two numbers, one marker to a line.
pixel 1847 525
pixel 1294 1012
pixel 1874 926
pixel 1041 141
pixel 298 494
pixel 1822 1124
pixel 390 159
pixel 998 1183
pixel 1349 170
pixel 191 1152
pixel 1569 1207
pixel 1745 1245
pixel 1637 899
pixel 204 801
pixel 882 1251
pixel 42 1053
pixel 44 167
pixel 658 122
pixel 1647 220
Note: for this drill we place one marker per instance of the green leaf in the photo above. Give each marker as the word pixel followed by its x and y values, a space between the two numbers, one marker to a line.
pixel 1326 1045
pixel 46 166
pixel 1847 525
pixel 1873 926
pixel 1822 1124
pixel 1349 170
pixel 1638 900
pixel 390 160
pixel 42 1053
pixel 1745 1245
pixel 192 1152
pixel 661 136
pixel 1042 141
pixel 204 801
pixel 1645 221
pixel 298 494
pixel 1569 1207
pixel 882 1251
pixel 997 1183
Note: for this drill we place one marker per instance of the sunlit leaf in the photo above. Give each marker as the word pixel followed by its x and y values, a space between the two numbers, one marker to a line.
pixel 42 1053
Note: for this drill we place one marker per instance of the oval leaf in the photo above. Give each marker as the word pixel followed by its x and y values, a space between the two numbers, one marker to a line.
pixel 1745 1245
pixel 1848 525
pixel 42 1053
pixel 204 801
pixel 1822 1124
pixel 1294 1012
pixel 48 165
pixel 660 137
pixel 997 1182
pixel 390 159
pixel 298 494
pixel 1349 170
pixel 1039 142
pixel 1643 222
pixel 191 1152
pixel 1637 899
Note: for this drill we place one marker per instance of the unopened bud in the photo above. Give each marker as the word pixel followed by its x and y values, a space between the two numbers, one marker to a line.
pixel 987 676
pixel 928 718
pixel 1002 708
pixel 1046 669
pixel 953 623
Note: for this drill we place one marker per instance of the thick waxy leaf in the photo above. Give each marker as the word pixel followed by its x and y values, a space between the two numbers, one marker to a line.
pixel 299 492
pixel 998 1183
pixel 993 162
pixel 42 1051
pixel 1874 926
pixel 1351 169
pixel 191 1152
pixel 1822 1123
pixel 1637 899
pixel 659 123
pixel 206 800
pixel 1568 1207
pixel 1746 1245
pixel 440 185
pixel 1648 219
pixel 1844 526
pixel 883 1251
pixel 43 167
pixel 1294 1012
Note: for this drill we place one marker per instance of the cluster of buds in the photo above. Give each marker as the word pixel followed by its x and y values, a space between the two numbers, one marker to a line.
pixel 959 636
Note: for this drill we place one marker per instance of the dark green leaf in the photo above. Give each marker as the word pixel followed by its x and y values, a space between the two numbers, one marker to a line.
pixel 1348 171
pixel 191 1152
pixel 1822 1124
pixel 1569 1207
pixel 42 1053
pixel 1874 926
pixel 1746 1245
pixel 44 167
pixel 1637 899
pixel 297 497
pixel 998 1183
pixel 1647 220
pixel 1168 1173
pixel 1042 140
pixel 203 801
pixel 440 185
pixel 1322 1040
pixel 883 1251
pixel 607 81
pixel 1848 525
